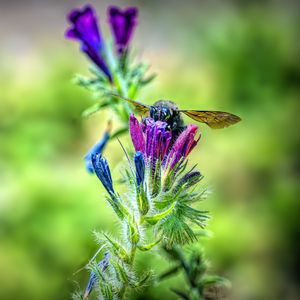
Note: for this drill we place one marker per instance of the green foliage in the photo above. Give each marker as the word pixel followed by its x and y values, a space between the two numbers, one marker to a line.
pixel 49 205
pixel 195 268
pixel 166 212
pixel 128 79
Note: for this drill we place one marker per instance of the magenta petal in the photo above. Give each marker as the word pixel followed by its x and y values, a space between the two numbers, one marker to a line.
pixel 136 133
pixel 183 145
pixel 153 139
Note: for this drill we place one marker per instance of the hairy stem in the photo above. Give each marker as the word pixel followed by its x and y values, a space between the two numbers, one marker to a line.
pixel 131 262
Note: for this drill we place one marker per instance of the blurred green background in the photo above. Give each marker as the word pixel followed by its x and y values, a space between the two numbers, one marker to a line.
pixel 237 56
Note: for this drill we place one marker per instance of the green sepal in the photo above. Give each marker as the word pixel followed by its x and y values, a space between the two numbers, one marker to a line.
pixel 121 272
pixel 142 200
pixel 120 210
pixel 144 280
pixel 133 232
pixel 155 179
pixel 107 291
pixel 169 174
pixel 148 246
pixel 175 231
pixel 169 198
pixel 119 250
pixel 155 218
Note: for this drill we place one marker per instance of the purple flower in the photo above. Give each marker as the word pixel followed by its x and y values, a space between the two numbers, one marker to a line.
pixel 158 138
pixel 85 29
pixel 183 145
pixel 136 133
pixel 122 23
pixel 153 139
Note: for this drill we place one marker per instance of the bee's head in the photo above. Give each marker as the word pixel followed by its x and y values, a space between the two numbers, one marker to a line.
pixel 161 113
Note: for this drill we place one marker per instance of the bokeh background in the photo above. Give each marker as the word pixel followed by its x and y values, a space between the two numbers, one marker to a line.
pixel 237 56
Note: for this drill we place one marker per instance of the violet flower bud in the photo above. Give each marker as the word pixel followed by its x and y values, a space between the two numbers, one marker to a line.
pixel 122 23
pixel 103 173
pixel 85 29
pixel 139 167
pixel 96 149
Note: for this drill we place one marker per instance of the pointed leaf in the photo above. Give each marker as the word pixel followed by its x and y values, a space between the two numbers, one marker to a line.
pixel 154 219
pixel 94 108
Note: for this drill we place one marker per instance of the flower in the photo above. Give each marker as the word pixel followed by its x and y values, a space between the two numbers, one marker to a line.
pixel 183 145
pixel 97 148
pixel 102 265
pixel 102 171
pixel 158 139
pixel 136 133
pixel 85 29
pixel 153 139
pixel 122 23
pixel 140 167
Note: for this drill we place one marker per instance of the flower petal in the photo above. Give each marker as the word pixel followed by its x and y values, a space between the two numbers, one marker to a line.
pixel 136 133
pixel 183 145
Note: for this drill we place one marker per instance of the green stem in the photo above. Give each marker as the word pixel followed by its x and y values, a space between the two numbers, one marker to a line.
pixel 131 261
pixel 120 83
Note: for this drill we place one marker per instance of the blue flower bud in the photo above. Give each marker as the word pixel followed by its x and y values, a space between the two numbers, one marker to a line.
pixel 102 265
pixel 188 180
pixel 96 149
pixel 139 167
pixel 102 171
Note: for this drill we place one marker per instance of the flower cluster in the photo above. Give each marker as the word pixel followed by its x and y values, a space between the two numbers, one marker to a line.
pixel 153 139
pixel 157 209
pixel 86 30
pixel 113 70
pixel 160 196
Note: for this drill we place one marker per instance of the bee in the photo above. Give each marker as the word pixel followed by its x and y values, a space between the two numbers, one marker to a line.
pixel 167 111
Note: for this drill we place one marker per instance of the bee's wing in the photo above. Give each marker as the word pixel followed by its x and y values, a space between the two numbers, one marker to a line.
pixel 140 107
pixel 214 119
